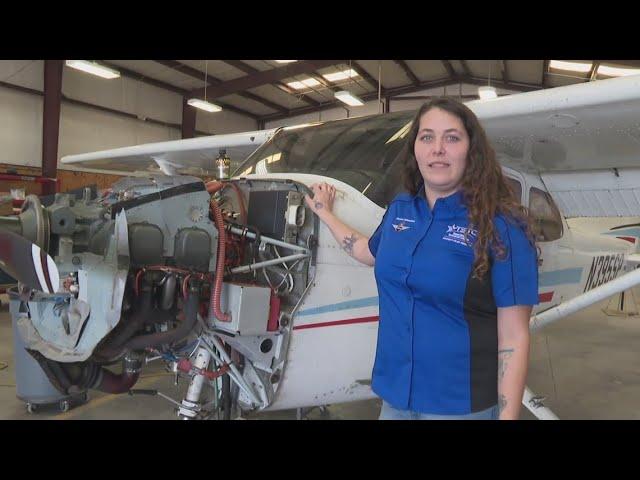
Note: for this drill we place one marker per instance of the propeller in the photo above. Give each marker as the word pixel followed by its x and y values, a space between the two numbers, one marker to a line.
pixel 28 263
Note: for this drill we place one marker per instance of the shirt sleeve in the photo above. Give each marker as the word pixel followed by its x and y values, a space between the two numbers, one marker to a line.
pixel 374 241
pixel 515 277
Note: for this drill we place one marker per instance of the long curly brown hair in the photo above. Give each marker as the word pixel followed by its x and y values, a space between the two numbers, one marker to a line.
pixel 485 190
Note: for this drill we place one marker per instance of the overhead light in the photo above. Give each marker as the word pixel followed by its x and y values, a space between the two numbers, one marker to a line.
pixel 93 68
pixel 617 71
pixel 487 92
pixel 202 105
pixel 571 66
pixel 348 98
pixel 343 75
pixel 306 83
pixel 286 61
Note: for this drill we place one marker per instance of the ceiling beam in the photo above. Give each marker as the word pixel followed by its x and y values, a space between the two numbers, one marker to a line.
pixel 408 72
pixel 545 70
pixel 450 70
pixel 505 72
pixel 125 72
pixel 326 84
pixel 623 63
pixel 249 70
pixel 394 92
pixel 264 78
pixel 430 97
pixel 593 73
pixel 465 67
pixel 240 65
pixel 517 86
pixel 389 93
pixel 364 74
pixel 211 80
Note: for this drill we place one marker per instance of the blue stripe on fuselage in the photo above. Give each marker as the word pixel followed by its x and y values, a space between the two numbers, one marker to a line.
pixel 361 302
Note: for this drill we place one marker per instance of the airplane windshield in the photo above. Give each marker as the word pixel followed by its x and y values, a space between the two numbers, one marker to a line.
pixel 361 152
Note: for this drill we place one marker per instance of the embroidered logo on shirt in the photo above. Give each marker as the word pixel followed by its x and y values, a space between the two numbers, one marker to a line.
pixel 401 227
pixel 456 234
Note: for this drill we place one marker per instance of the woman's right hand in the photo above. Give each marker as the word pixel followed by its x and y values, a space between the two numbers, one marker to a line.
pixel 323 196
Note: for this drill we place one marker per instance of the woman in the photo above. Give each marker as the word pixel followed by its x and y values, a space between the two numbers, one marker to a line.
pixel 456 270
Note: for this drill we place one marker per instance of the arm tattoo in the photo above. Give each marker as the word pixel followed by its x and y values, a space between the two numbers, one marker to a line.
pixel 319 205
pixel 348 242
pixel 503 356
pixel 502 403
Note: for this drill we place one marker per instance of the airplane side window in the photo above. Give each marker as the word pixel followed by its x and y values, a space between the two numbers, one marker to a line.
pixel 547 222
pixel 516 187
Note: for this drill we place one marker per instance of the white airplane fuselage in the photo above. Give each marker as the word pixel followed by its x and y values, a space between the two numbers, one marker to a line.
pixel 333 341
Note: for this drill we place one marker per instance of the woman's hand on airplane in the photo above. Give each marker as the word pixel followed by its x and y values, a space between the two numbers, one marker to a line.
pixel 323 196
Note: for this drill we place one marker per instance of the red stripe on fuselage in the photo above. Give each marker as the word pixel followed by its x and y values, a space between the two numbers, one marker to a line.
pixel 545 297
pixel 339 322
pixel 628 239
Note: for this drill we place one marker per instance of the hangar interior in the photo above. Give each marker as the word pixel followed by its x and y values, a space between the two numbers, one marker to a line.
pixel 585 367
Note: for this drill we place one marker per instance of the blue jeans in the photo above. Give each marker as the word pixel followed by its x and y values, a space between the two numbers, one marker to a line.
pixel 387 412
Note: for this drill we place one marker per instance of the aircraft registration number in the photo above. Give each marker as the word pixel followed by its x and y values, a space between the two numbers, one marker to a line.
pixel 603 269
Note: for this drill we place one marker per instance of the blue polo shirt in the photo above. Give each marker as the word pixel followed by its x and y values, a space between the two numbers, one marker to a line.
pixel 437 348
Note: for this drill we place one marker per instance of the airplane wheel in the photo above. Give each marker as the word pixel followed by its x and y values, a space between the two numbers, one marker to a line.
pixel 31 408
pixel 64 405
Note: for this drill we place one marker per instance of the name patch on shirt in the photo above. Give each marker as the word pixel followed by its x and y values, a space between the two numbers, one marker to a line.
pixel 457 234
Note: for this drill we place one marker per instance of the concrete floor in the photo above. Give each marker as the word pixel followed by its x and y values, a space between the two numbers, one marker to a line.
pixel 587 366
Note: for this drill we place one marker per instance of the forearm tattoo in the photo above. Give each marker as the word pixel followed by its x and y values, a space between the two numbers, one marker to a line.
pixel 503 356
pixel 502 404
pixel 319 206
pixel 348 243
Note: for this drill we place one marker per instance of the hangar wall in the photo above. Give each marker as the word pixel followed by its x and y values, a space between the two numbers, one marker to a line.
pixel 86 129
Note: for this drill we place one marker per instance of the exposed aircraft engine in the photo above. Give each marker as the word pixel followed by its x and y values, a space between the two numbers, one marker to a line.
pixel 205 277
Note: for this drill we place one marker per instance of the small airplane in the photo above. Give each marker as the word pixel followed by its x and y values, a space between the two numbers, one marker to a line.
pixel 239 288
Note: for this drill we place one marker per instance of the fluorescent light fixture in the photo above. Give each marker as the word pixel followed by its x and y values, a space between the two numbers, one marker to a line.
pixel 286 61
pixel 571 66
pixel 93 68
pixel 343 75
pixel 202 105
pixel 617 71
pixel 348 98
pixel 306 83
pixel 486 93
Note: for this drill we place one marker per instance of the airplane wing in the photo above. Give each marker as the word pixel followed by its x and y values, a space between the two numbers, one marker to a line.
pixel 584 141
pixel 194 156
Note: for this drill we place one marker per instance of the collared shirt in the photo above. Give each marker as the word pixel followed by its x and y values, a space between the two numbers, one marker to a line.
pixel 437 349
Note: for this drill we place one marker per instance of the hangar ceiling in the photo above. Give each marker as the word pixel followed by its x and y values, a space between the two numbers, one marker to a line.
pixel 265 90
